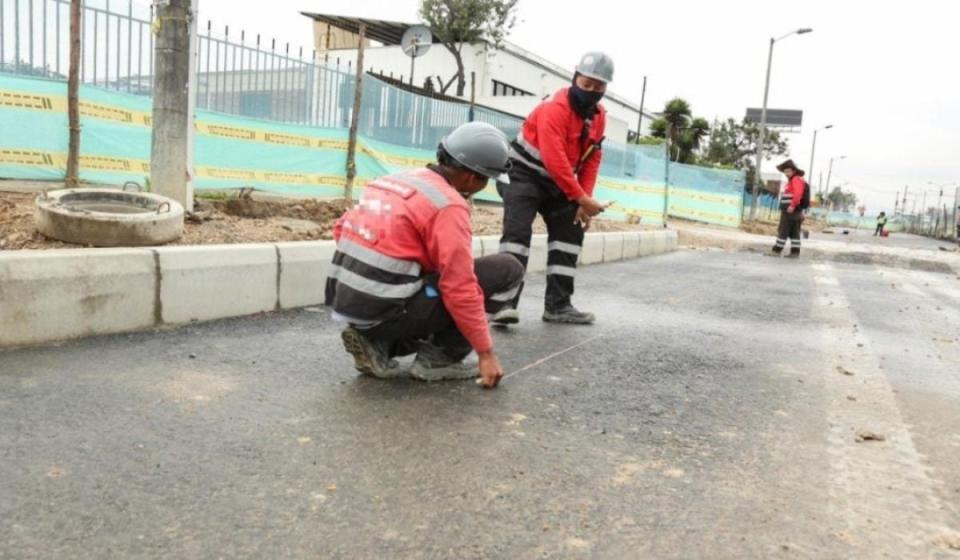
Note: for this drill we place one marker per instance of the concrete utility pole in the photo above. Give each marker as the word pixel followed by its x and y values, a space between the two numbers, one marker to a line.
pixel 171 155
pixel 355 119
pixel 73 90
pixel 830 172
pixel 643 97
pixel 813 148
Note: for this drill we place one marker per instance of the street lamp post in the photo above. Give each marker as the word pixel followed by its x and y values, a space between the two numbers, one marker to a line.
pixel 758 179
pixel 813 148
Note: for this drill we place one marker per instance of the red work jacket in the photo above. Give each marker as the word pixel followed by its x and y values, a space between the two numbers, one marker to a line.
pixel 551 143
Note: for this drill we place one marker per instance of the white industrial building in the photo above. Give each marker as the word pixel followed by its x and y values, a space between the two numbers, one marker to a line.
pixel 510 79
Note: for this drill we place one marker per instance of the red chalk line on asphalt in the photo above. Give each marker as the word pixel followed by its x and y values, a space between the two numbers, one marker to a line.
pixel 551 356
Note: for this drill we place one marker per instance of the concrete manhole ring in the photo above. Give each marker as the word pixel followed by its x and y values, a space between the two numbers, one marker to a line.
pixel 108 218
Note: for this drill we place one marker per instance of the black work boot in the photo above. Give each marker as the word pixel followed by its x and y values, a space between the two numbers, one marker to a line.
pixel 433 364
pixel 568 314
pixel 369 356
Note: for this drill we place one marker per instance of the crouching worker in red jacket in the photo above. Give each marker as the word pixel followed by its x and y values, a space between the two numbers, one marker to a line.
pixel 404 275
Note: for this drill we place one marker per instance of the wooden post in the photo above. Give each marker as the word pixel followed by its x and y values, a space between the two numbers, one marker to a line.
pixel 355 119
pixel 643 97
pixel 472 115
pixel 73 87
pixel 473 96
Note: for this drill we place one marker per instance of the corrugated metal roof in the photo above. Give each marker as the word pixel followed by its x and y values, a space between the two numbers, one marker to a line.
pixel 386 32
pixel 390 33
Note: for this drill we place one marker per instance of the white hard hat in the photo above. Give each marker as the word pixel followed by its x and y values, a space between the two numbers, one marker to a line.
pixel 596 65
pixel 480 147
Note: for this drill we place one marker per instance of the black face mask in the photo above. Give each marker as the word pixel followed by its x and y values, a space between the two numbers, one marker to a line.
pixel 584 101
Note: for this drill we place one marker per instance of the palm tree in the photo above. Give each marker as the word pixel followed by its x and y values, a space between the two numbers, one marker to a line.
pixel 658 128
pixel 698 130
pixel 676 113
pixel 683 133
pixel 691 139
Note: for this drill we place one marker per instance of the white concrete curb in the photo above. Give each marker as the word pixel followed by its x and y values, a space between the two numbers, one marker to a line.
pixel 201 283
pixel 56 295
pixel 48 296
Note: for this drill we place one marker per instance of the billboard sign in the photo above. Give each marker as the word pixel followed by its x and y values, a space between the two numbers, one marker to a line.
pixel 786 118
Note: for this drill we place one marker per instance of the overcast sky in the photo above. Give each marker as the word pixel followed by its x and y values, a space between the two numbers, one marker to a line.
pixel 885 77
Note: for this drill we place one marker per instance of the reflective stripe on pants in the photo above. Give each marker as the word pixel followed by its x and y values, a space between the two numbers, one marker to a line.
pixel 526 196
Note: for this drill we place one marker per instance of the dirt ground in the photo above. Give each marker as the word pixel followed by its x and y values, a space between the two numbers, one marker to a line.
pixel 707 237
pixel 770 228
pixel 226 219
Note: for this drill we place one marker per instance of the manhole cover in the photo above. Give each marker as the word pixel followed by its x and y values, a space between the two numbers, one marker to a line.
pixel 108 218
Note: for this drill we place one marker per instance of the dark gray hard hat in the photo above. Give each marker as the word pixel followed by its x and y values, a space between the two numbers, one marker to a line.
pixel 596 65
pixel 480 147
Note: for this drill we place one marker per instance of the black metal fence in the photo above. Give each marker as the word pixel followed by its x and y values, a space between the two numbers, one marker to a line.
pixel 236 73
pixel 241 74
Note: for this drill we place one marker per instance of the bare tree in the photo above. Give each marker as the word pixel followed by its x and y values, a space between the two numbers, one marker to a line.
pixel 73 86
pixel 459 22
pixel 355 118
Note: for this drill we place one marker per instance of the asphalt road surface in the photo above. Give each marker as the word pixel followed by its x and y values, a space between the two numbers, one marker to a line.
pixel 713 412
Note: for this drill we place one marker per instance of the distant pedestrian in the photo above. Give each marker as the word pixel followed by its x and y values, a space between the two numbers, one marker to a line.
pixel 958 224
pixel 881 223
pixel 794 200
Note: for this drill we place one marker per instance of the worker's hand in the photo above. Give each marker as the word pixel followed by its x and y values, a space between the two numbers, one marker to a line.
pixel 490 370
pixel 789 209
pixel 590 206
pixel 582 219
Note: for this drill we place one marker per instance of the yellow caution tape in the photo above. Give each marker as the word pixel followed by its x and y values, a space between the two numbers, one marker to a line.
pixel 58 161
pixel 58 104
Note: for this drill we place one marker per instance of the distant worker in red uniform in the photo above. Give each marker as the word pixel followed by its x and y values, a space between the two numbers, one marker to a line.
pixel 404 276
pixel 556 158
pixel 794 200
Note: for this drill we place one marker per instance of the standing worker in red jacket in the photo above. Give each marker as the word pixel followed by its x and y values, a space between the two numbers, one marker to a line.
pixel 793 201
pixel 556 158
pixel 404 276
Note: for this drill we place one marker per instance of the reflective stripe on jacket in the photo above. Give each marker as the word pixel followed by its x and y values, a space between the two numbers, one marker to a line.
pixel 793 193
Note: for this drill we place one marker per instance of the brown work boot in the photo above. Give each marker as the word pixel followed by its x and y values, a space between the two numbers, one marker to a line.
pixel 433 364
pixel 369 356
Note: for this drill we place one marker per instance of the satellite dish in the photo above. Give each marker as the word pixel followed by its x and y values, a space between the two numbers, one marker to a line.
pixel 416 41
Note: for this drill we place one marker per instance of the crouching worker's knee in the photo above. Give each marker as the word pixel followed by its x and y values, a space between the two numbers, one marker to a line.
pixel 499 270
